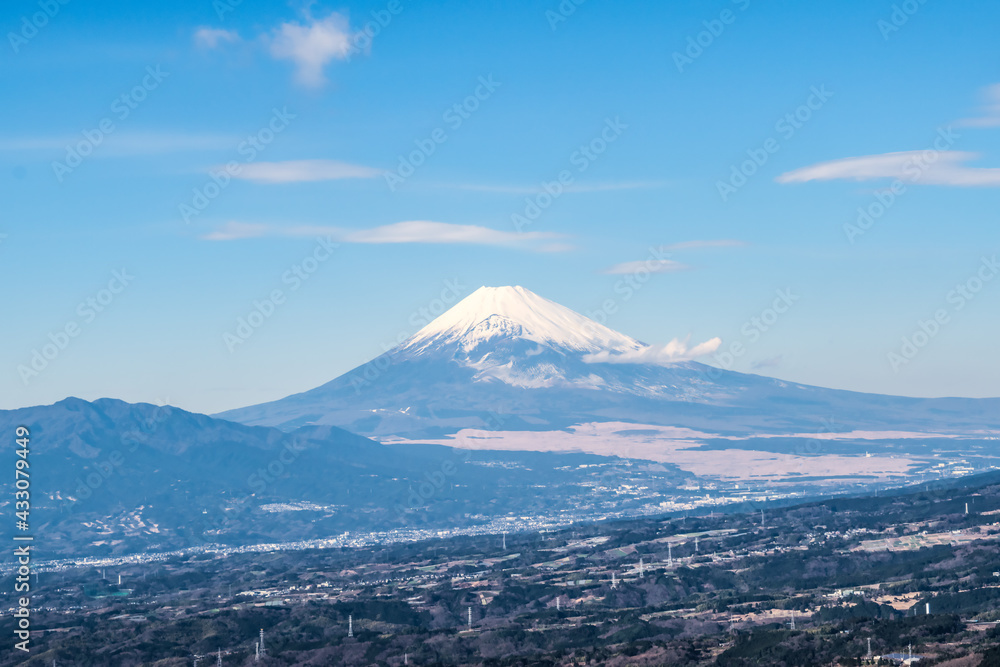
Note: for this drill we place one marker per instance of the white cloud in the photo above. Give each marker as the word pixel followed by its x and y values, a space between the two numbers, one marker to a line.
pixel 425 231
pixel 557 247
pixel 166 142
pixel 697 245
pixel 769 362
pixel 312 45
pixel 412 231
pixel 651 265
pixel 210 38
pixel 572 187
pixel 299 171
pixel 930 167
pixel 674 351
pixel 990 109
pixel 124 143
pixel 234 231
pixel 611 187
pixel 659 260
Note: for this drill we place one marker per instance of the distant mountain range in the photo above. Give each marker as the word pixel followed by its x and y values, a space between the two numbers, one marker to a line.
pixel 110 477
pixel 507 359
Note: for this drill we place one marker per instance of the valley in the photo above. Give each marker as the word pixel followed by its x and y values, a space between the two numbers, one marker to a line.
pixel 829 582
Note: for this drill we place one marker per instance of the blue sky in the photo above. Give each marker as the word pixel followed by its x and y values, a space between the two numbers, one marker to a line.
pixel 313 114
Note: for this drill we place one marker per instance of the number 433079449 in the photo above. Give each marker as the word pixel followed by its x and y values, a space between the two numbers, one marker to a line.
pixel 22 483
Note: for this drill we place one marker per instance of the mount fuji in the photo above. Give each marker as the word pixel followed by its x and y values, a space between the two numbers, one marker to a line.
pixel 508 369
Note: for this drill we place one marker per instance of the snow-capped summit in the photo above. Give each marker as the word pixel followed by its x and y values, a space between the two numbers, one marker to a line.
pixel 492 313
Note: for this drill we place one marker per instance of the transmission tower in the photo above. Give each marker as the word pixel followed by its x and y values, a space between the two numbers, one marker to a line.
pixel 350 625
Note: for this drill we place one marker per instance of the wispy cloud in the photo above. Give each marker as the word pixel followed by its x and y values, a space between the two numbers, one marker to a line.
pixel 210 38
pixel 990 110
pixel 124 143
pixel 301 171
pixel 658 260
pixel 770 362
pixel 411 231
pixel 236 231
pixel 425 231
pixel 944 168
pixel 674 351
pixel 697 245
pixel 534 189
pixel 312 45
pixel 650 265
